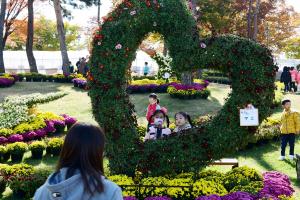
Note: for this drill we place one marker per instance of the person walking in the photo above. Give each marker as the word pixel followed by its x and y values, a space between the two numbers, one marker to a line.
pixel 286 79
pixel 146 69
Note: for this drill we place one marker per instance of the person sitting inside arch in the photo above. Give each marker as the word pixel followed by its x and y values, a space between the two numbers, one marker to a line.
pixel 157 129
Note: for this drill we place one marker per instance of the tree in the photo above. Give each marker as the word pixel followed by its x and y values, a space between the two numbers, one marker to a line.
pixel 29 41
pixel 2 17
pixel 61 35
pixel 292 48
pixel 239 17
pixel 256 20
pixel 9 12
pixel 249 18
pixel 45 36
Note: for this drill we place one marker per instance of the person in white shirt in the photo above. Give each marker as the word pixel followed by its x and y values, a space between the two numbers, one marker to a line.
pixel 157 129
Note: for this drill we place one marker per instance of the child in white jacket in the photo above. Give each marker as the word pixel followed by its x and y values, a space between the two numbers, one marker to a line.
pixel 157 130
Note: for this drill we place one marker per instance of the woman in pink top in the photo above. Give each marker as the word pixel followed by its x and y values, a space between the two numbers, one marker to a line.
pixel 298 80
pixel 294 74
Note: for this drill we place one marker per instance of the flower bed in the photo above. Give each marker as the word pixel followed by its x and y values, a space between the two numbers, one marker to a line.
pixel 80 83
pixel 19 122
pixel 196 90
pixel 7 80
pixel 206 185
pixel 16 109
pixel 59 78
pixel 240 183
pixel 44 124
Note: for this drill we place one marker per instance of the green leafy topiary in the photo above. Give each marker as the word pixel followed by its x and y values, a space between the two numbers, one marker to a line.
pixel 250 68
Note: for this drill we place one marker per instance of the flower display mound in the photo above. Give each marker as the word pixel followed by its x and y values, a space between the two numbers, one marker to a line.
pixel 196 90
pixel 249 65
pixel 7 80
pixel 19 121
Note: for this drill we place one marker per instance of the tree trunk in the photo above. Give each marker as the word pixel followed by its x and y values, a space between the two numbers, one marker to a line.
pixel 256 20
pixel 187 78
pixel 61 35
pixel 249 20
pixel 2 17
pixel 29 40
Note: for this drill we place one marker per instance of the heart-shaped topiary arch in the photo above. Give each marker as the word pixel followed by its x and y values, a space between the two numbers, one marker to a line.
pixel 249 65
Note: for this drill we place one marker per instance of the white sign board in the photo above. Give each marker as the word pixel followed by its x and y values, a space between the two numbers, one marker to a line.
pixel 249 117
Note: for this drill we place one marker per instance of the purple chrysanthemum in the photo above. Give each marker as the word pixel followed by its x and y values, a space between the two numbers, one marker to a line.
pixel 15 138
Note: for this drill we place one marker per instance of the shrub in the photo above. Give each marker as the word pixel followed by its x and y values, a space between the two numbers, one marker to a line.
pixel 252 188
pixel 17 150
pixel 124 180
pixel 5 132
pixel 37 148
pixel 241 176
pixel 203 187
pixel 141 131
pixel 212 175
pixel 54 146
pixel 25 185
pixel 179 192
pixel 154 191
pixel 4 154
pixel 18 169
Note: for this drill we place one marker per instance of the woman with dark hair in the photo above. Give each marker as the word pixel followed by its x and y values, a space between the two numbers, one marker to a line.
pixel 79 174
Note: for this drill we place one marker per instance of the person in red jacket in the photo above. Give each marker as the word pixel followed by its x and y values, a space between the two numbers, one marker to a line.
pixel 152 107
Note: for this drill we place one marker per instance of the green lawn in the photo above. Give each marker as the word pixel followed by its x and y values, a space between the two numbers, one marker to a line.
pixel 77 103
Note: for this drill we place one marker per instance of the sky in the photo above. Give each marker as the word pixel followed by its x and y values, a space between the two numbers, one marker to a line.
pixel 81 17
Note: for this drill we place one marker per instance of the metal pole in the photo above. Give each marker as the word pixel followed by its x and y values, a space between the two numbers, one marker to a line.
pixel 99 5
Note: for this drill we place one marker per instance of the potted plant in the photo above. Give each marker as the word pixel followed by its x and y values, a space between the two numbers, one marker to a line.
pixel 2 184
pixel 4 154
pixel 54 146
pixel 17 151
pixel 69 121
pixel 37 148
pixel 24 182
pixel 59 125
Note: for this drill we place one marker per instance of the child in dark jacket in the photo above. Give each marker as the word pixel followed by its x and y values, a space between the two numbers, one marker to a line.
pixel 286 78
